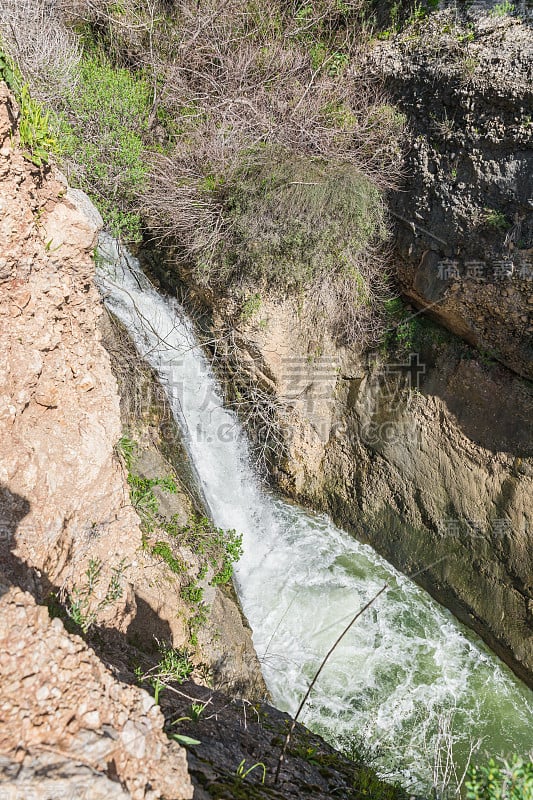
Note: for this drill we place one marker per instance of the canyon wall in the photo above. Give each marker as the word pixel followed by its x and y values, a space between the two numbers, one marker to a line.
pixel 464 245
pixel 423 447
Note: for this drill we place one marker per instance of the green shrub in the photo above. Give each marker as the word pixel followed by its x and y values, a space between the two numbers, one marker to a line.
pixel 36 139
pixel 126 447
pixel 174 665
pixel 366 783
pixel 496 219
pixel 7 72
pixel 291 220
pixel 81 604
pixel 505 781
pixel 501 9
pixel 192 593
pixel 407 332
pixel 102 129
pixel 164 551
pixel 144 500
pixel 215 546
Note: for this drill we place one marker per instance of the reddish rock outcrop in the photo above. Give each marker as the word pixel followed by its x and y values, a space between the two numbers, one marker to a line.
pixel 63 496
pixel 67 727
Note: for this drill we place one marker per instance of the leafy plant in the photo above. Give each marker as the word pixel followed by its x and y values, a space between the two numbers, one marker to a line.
pixel 81 604
pixel 144 500
pixel 197 622
pixel 126 447
pixel 242 773
pixel 508 780
pixel 496 219
pixel 36 138
pixel 217 547
pixel 182 739
pixel 197 709
pixel 164 551
pixel 250 306
pixel 501 9
pixel 7 72
pixel 102 127
pixel 192 593
pixel 173 666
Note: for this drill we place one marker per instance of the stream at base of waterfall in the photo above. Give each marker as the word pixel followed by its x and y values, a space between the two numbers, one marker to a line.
pixel 408 680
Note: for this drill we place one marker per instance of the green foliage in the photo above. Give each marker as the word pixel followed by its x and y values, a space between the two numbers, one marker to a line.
pixel 356 748
pixel 144 500
pixel 192 593
pixel 82 606
pixel 332 63
pixel 186 740
pixel 387 116
pixel 7 71
pixel 217 547
pixel 214 548
pixel 36 138
pixel 34 129
pixel 197 621
pixel 367 784
pixel 408 332
pixel 505 781
pixel 164 551
pixel 250 307
pixel 197 709
pixel 291 220
pixel 404 13
pixel 174 665
pixel 501 9
pixel 338 115
pixel 126 447
pixel 102 129
pixel 242 773
pixel 496 219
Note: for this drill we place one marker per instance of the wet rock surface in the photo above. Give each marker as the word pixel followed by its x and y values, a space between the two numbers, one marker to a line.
pixel 238 737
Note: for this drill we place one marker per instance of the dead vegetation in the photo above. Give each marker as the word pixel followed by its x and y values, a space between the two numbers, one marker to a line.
pixel 46 51
pixel 268 147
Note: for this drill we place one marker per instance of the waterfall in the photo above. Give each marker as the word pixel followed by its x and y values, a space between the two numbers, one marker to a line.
pixel 408 668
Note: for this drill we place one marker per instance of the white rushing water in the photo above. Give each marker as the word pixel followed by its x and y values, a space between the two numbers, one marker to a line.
pixel 407 665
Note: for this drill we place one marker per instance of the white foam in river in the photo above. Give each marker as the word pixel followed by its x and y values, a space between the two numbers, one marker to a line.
pixel 301 578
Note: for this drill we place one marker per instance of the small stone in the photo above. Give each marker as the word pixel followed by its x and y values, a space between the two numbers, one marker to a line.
pixel 133 740
pixel 91 719
pixel 42 693
pixel 47 394
pixel 86 383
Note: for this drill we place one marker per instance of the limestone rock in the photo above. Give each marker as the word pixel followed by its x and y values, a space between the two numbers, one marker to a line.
pixel 67 724
pixel 63 495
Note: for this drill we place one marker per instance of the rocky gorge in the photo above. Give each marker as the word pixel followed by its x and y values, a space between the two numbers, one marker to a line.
pixel 86 607
pixel 421 446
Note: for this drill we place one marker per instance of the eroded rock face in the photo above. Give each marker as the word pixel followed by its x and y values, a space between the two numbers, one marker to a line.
pixel 428 462
pixel 464 216
pixel 63 497
pixel 436 474
pixel 68 728
pixel 224 639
